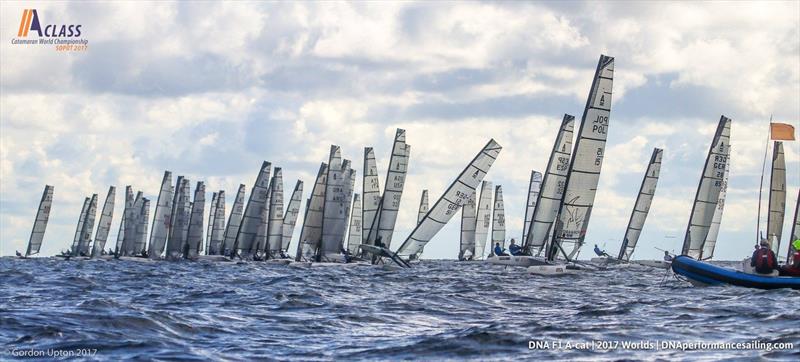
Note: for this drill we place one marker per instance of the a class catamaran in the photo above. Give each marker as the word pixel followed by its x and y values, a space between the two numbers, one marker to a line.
pixel 640 210
pixel 451 200
pixel 40 223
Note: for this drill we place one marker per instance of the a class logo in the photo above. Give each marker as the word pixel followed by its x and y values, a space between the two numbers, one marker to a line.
pixel 33 30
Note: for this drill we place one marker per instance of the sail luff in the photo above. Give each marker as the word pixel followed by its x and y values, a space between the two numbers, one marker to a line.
pixel 777 198
pixel 354 236
pixel 311 232
pixel 40 223
pixel 291 215
pixel 498 219
pixel 708 189
pixel 548 201
pixel 587 161
pixel 275 227
pixel 534 187
pixel 642 205
pixel 234 221
pixel 161 218
pixel 716 221
pixel 104 224
pixel 483 219
pixel 371 192
pixel 451 200
pixel 468 223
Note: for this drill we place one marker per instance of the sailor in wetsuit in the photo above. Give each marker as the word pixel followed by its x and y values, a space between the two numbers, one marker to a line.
pixel 499 250
pixel 599 252
pixel 514 249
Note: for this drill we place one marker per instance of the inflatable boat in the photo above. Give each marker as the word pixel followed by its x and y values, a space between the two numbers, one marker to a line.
pixel 701 273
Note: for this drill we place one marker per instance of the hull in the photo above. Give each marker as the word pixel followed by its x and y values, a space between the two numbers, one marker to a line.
pixel 702 273
pixel 136 259
pixel 520 261
pixel 660 264
pixel 213 258
pixel 552 270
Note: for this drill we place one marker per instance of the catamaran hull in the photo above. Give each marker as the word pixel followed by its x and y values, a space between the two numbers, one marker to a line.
pixel 660 264
pixel 702 273
pixel 552 270
pixel 136 259
pixel 213 258
pixel 520 261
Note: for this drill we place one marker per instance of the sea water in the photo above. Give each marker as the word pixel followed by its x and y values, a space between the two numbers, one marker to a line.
pixel 438 310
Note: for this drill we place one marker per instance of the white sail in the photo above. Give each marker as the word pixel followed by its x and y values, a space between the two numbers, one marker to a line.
pixel 705 201
pixel 275 227
pixel 132 246
pixel 371 192
pixel 334 223
pixel 777 198
pixel 552 190
pixel 290 217
pixel 120 233
pixel 311 232
pixel 84 245
pixel 383 225
pixel 587 161
pixel 716 221
pixel 161 218
pixel 180 221
pixel 795 233
pixel 104 225
pixel 218 230
pixel 483 219
pixel 423 206
pixel 246 237
pixel 452 199
pixel 534 186
pixel 141 234
pixel 498 219
pixel 354 237
pixel 468 222
pixel 212 213
pixel 79 229
pixel 260 244
pixel 195 236
pixel 40 223
pixel 642 205
pixel 234 221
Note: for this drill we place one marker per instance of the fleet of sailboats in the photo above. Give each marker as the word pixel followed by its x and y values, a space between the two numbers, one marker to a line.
pixel 340 226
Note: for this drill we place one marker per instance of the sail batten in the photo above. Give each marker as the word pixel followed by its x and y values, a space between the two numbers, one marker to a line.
pixel 40 223
pixel 708 190
pixel 451 200
pixel 642 205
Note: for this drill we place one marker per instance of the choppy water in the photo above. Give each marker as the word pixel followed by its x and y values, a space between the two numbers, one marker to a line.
pixel 435 311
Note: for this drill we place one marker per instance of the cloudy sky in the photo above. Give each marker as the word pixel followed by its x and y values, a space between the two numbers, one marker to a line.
pixel 209 90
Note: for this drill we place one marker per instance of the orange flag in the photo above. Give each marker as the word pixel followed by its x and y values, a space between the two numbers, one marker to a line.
pixel 781 132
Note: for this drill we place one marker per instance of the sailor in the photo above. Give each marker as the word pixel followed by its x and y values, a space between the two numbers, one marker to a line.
pixel 498 250
pixel 514 249
pixel 378 243
pixel 792 269
pixel 599 252
pixel 667 257
pixel 764 259
pixel 18 253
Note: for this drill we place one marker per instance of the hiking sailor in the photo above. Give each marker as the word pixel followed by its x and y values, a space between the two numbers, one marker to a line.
pixel 764 259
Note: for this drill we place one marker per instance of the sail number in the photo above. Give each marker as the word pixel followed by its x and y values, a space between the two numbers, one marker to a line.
pixel 600 125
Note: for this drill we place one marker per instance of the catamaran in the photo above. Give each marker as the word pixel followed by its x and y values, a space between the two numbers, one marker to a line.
pixel 451 200
pixel 40 223
pixel 569 230
pixel 548 200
